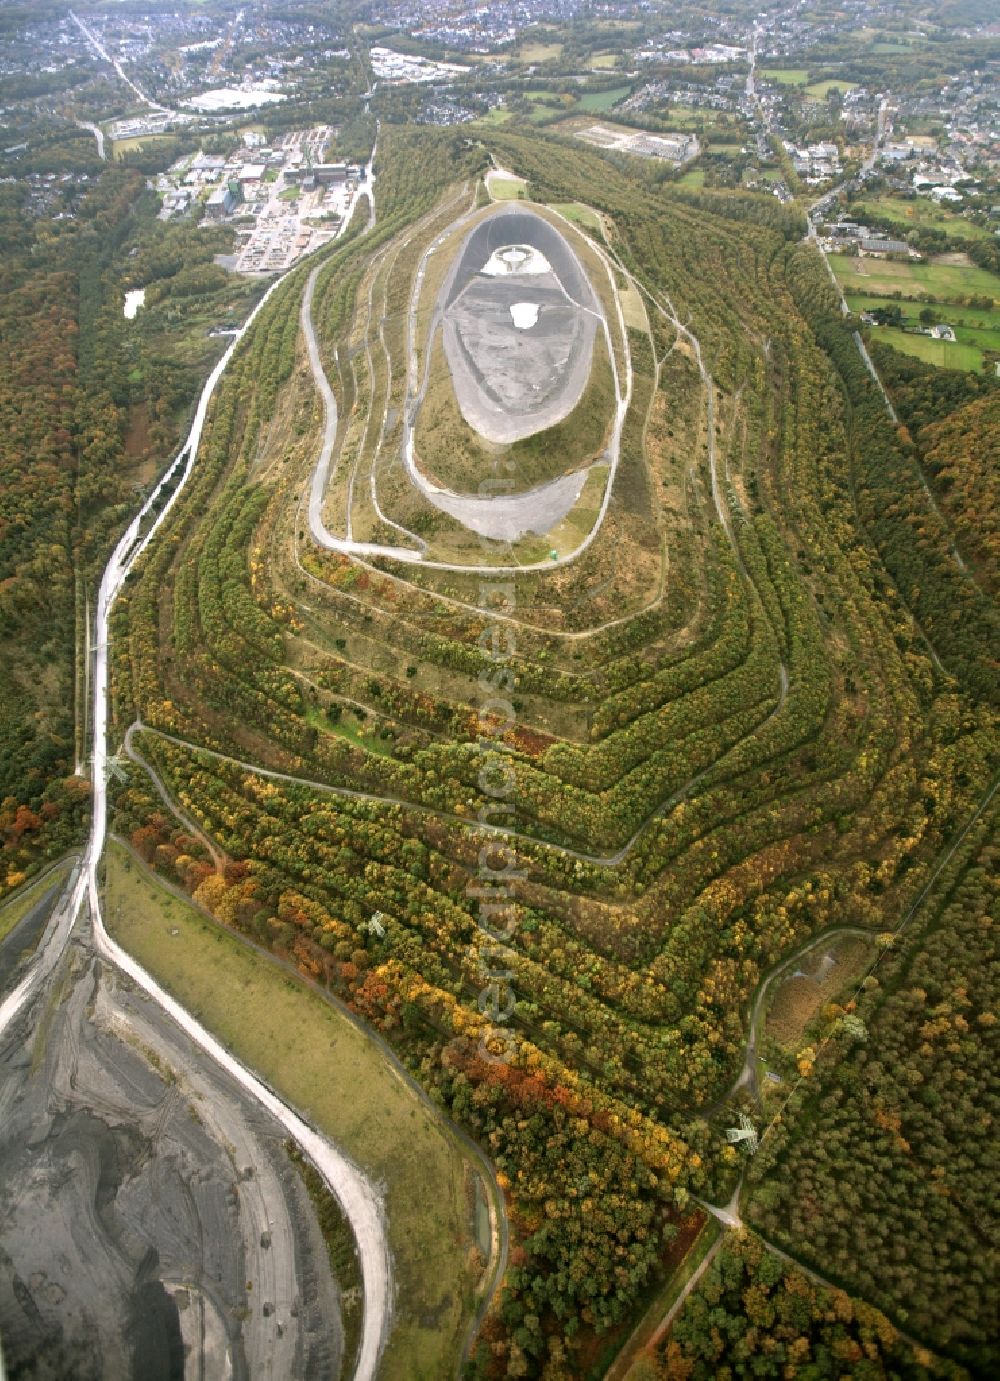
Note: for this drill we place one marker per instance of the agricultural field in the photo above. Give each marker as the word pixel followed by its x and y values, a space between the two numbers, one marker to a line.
pixel 677 116
pixel 956 354
pixel 785 76
pixel 120 147
pixel 539 52
pixel 615 766
pixel 552 105
pixel 909 212
pixel 547 106
pixel 977 328
pixel 982 319
pixel 946 283
pixel 820 90
pixel 597 102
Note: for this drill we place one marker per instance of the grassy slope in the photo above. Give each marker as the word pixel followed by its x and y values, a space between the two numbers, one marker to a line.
pixel 318 1059
pixel 507 188
pixel 452 454
pixel 580 214
pixel 17 906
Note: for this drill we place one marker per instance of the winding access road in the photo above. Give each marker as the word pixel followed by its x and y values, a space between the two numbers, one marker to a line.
pixel 321 474
pixel 612 860
pixel 367 550
pixel 360 1201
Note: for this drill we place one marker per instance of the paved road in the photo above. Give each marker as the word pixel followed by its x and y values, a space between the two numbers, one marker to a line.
pixel 96 131
pixel 751 87
pixel 103 53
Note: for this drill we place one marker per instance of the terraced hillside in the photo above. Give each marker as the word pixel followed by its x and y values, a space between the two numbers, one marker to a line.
pixel 545 809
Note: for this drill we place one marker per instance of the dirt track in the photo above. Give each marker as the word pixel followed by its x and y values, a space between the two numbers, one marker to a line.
pixel 152 1224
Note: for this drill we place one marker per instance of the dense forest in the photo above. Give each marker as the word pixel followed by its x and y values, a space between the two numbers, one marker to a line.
pixel 757 1315
pixel 881 1173
pixel 786 740
pixel 91 408
pixel 953 421
pixel 60 437
pixel 961 455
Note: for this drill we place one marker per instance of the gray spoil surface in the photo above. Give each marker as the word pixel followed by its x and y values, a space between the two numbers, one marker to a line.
pixel 152 1225
pixel 20 943
pixel 507 517
pixel 511 383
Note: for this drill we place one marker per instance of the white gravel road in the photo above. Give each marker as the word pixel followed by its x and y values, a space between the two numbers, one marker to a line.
pixel 358 1198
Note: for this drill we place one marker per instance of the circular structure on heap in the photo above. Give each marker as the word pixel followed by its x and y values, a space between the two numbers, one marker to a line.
pixel 518 317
